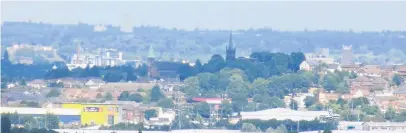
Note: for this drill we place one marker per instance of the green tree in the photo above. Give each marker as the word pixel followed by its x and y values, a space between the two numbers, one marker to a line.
pixel 136 97
pixel 203 109
pixel 54 93
pixel 390 114
pixel 142 70
pixel 327 131
pixel 156 94
pixel 281 129
pixel 249 127
pixel 296 58
pixel 293 104
pixel 5 124
pixel 124 96
pixel 397 80
pixel 108 96
pixel 165 103
pixel 215 64
pixel 226 108
pixel 150 113
pixel 309 101
pixel 198 66
pixel 51 121
pixel 191 86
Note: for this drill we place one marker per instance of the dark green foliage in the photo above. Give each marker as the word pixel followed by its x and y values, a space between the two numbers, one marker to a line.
pixel 142 70
pixel 293 105
pixel 150 113
pixel 327 131
pixel 296 58
pixel 203 109
pixel 30 104
pixel 126 96
pixel 113 77
pixel 216 63
pixel 5 124
pixel 52 121
pixel 309 101
pixel 156 94
pixel 226 109
pixel 34 130
pixel 56 85
pixel 54 93
pixel 397 80
pixel 313 125
pixel 108 96
pixel 165 103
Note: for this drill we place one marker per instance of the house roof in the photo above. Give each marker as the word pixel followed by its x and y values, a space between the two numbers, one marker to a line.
pixel 401 68
pixel 96 80
pixel 379 81
pixel 361 79
pixel 400 91
pixel 401 124
pixel 37 81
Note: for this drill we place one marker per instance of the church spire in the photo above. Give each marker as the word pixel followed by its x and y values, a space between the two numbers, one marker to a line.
pixel 230 41
pixel 151 53
pixel 230 49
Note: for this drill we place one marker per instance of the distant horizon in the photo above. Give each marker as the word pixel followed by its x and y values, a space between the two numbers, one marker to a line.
pixel 200 29
pixel 224 15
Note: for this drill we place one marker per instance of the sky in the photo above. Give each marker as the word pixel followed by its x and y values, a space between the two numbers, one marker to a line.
pixel 229 15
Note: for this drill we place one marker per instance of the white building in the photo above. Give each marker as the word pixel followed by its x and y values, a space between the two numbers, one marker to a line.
pixel 105 57
pixel 284 114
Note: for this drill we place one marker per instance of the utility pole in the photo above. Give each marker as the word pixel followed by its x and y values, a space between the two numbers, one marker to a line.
pixel 177 100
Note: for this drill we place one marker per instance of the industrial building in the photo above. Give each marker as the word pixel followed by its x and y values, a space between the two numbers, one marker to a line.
pixel 287 114
pixel 96 113
pixel 66 116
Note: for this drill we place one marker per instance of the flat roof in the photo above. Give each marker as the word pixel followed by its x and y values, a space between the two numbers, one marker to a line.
pixel 40 111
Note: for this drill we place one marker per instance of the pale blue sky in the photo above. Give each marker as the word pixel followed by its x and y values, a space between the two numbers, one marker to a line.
pixel 357 16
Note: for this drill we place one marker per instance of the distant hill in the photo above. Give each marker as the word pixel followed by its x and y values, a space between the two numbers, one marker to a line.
pixel 175 43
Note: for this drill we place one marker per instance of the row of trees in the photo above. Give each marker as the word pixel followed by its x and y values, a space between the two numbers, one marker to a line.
pixel 48 121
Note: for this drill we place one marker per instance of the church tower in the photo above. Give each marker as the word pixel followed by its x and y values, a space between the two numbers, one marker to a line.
pixel 230 49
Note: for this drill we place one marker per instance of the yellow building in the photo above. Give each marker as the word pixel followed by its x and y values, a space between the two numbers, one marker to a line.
pixel 96 113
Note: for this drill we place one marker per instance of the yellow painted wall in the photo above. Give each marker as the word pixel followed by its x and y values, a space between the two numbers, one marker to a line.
pixel 98 118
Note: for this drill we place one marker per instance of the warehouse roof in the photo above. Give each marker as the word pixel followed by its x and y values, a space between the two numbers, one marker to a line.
pixel 40 111
pixel 283 114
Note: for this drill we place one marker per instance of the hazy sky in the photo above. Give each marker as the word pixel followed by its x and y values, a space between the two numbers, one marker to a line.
pixel 217 15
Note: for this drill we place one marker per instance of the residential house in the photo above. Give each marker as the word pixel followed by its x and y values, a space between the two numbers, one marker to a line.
pixel 360 84
pixel 94 83
pixel 326 97
pixel 305 66
pixel 400 93
pixel 401 70
pixel 37 84
pixel 71 82
pixel 350 68
pixel 380 83
pixel 131 87
pixel 370 71
pixel 333 67
pixel 384 126
pixel 163 118
pixel 384 102
pixel 11 85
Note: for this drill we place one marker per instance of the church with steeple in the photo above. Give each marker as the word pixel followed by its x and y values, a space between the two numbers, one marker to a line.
pixel 230 49
pixel 158 69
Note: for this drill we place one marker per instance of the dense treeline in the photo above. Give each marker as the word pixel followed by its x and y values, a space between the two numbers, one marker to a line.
pixel 173 43
pixel 314 125
pixel 21 72
pixel 31 124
